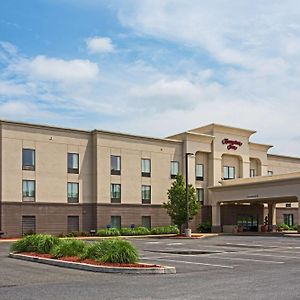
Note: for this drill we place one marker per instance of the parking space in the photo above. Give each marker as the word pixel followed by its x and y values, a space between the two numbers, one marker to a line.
pixel 222 267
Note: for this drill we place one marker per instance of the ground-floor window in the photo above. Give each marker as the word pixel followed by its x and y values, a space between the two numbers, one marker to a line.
pixel 28 225
pixel 288 219
pixel 146 221
pixel 73 223
pixel 115 221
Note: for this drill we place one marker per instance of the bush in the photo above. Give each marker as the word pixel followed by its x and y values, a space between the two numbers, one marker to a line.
pixel 165 230
pixel 204 227
pixel 108 232
pixel 68 248
pixel 41 243
pixel 135 231
pixel 294 227
pixel 112 251
pixel 283 227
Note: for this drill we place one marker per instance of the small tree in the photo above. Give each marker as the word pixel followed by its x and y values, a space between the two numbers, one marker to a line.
pixel 176 205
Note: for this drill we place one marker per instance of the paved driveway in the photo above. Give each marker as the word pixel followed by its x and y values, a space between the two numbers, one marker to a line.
pixel 223 267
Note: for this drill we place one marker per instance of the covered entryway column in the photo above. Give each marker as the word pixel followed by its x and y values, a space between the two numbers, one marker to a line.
pixel 216 217
pixel 272 216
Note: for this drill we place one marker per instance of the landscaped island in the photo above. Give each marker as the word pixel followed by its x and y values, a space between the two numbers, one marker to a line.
pixel 109 255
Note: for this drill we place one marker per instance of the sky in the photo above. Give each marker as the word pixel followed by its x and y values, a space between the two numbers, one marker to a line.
pixel 154 67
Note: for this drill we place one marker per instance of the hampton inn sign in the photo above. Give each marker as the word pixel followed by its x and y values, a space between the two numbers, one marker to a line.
pixel 232 144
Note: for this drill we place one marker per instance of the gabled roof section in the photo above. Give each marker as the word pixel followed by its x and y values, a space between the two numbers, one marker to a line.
pixel 194 135
pixel 212 128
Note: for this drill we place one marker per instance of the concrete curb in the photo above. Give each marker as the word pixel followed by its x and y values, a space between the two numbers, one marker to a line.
pixel 86 267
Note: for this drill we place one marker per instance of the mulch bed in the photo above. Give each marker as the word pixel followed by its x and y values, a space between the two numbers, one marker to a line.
pixel 88 261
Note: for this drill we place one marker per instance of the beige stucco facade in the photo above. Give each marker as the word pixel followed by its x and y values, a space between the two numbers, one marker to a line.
pixel 221 150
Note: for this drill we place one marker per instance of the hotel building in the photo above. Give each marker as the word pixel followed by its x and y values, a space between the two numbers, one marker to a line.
pixel 58 180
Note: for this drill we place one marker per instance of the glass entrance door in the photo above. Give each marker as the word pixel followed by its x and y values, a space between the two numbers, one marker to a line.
pixel 248 222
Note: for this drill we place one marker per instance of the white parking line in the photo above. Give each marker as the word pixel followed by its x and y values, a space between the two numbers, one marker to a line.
pixel 153 243
pixel 190 262
pixel 248 259
pixel 270 255
pixel 174 244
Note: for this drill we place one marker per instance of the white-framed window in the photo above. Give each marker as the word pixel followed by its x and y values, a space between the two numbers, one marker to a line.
pixel 252 173
pixel 28 190
pixel 73 163
pixel 199 172
pixel 229 172
pixel 146 167
pixel 174 169
pixel 115 193
pixel 115 165
pixel 146 194
pixel 73 192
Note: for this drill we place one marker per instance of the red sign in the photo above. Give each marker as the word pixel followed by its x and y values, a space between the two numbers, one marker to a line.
pixel 232 144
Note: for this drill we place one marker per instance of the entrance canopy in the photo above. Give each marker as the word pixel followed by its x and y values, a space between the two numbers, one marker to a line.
pixel 258 190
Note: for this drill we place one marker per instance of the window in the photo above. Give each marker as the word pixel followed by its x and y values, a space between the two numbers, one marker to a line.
pixel 200 195
pixel 199 172
pixel 146 221
pixel 146 167
pixel 28 159
pixel 28 190
pixel 174 169
pixel 115 193
pixel 28 225
pixel 288 205
pixel 115 165
pixel 73 163
pixel 115 222
pixel 252 172
pixel 73 224
pixel 229 172
pixel 73 192
pixel 146 194
pixel 288 219
pixel 270 173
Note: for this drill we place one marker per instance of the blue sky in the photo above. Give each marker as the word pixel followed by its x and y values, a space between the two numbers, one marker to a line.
pixel 153 67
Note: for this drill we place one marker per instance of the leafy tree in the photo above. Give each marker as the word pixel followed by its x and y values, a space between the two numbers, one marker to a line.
pixel 176 205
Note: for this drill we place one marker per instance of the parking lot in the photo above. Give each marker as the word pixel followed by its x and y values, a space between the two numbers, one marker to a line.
pixel 222 267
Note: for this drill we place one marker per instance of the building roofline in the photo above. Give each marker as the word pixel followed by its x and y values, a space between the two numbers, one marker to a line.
pixel 50 127
pixel 284 156
pixel 216 125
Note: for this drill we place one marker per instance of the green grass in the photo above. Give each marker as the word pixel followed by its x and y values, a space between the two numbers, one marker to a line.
pixel 68 248
pixel 40 243
pixel 108 232
pixel 135 231
pixel 113 251
pixel 165 230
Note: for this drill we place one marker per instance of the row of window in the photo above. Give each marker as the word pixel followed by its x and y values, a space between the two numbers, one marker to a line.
pixel 229 172
pixel 73 192
pixel 28 163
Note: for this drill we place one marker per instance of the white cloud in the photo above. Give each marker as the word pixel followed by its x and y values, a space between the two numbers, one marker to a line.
pixel 55 69
pixel 99 44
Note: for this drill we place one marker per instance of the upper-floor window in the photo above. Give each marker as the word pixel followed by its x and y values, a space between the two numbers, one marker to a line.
pixel 73 163
pixel 115 165
pixel 199 172
pixel 28 190
pixel 146 194
pixel 73 192
pixel 270 173
pixel 252 173
pixel 28 159
pixel 174 168
pixel 229 172
pixel 115 193
pixel 146 167
pixel 200 195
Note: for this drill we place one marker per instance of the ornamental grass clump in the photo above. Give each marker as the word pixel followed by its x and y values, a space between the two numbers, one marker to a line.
pixel 68 248
pixel 40 243
pixel 108 232
pixel 165 230
pixel 112 251
pixel 135 231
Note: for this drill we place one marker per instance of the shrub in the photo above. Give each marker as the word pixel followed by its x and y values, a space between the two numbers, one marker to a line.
pixel 165 230
pixel 283 227
pixel 294 227
pixel 204 227
pixel 135 231
pixel 113 251
pixel 108 232
pixel 68 248
pixel 41 243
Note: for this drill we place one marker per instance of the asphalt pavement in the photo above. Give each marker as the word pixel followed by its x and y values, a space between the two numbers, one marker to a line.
pixel 222 267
